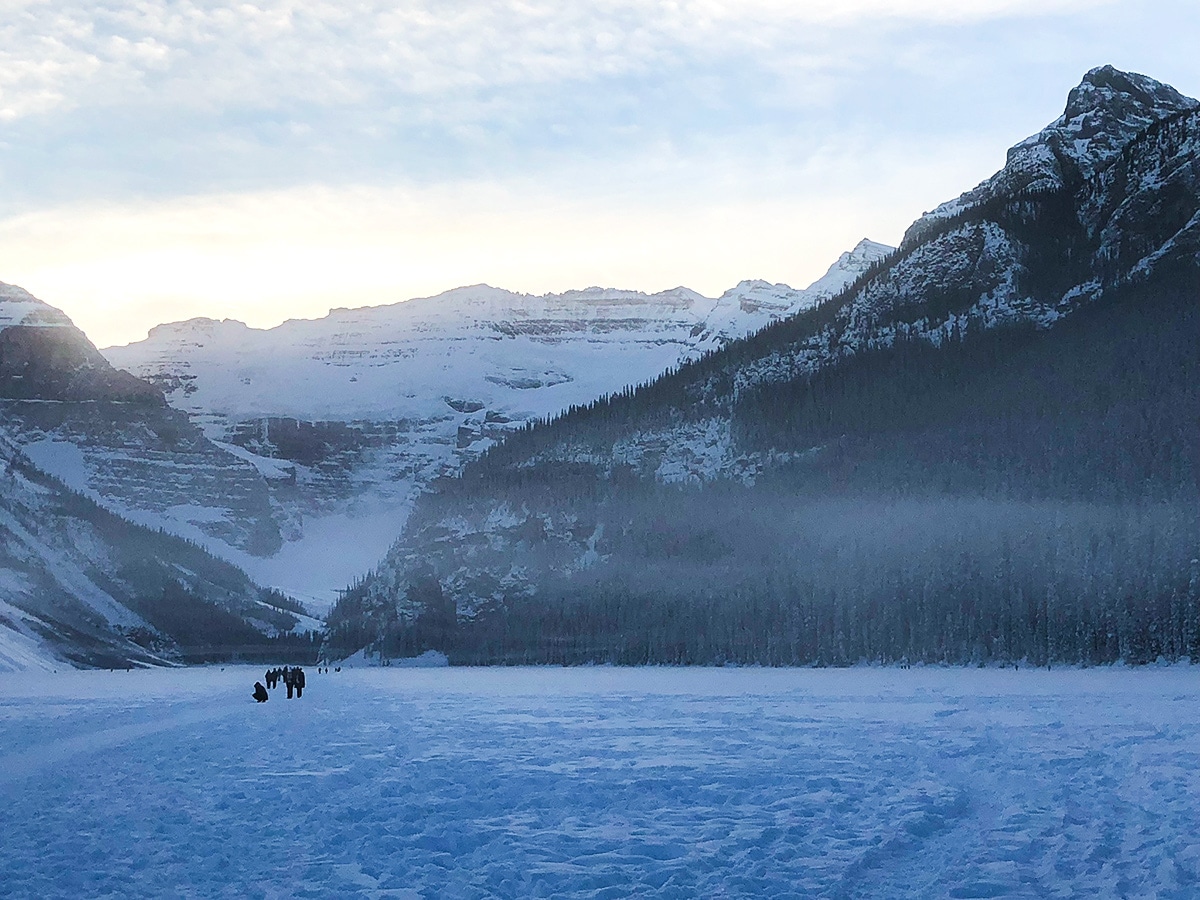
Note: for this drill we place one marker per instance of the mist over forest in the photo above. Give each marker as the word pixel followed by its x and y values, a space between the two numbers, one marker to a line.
pixel 1021 496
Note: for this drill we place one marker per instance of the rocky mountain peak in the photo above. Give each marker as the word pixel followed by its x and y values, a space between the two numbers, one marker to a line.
pixel 1107 110
pixel 755 303
pixel 43 356
pixel 848 267
pixel 866 250
pixel 19 307
pixel 1126 96
pixel 1104 114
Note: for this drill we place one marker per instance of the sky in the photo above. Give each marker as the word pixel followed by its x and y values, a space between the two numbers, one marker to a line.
pixel 164 159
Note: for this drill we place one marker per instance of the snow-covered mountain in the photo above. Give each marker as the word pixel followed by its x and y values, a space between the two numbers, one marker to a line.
pixel 753 305
pixel 1104 113
pixel 81 586
pixel 112 436
pixel 348 417
pixel 974 418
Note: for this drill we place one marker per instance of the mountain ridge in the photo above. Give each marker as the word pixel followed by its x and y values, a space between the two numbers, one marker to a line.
pixel 1103 114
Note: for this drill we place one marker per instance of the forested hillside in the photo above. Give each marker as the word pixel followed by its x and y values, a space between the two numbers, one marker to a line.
pixel 985 450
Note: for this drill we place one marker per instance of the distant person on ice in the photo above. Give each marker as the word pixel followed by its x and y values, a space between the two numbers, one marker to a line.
pixel 298 678
pixel 289 681
pixel 260 692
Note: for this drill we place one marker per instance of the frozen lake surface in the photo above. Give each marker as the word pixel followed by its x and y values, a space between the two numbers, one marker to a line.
pixel 443 783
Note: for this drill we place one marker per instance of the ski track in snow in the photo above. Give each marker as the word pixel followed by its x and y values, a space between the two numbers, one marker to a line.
pixel 598 782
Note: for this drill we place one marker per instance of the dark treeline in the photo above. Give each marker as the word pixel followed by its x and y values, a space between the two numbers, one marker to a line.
pixel 1105 406
pixel 192 629
pixel 835 583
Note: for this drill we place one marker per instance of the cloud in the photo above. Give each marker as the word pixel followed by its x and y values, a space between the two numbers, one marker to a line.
pixel 110 99
pixel 206 56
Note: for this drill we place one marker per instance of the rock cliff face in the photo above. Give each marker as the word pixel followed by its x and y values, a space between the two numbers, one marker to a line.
pixel 80 586
pixel 1104 114
pixel 112 436
pixel 44 357
pixel 349 417
pixel 1029 352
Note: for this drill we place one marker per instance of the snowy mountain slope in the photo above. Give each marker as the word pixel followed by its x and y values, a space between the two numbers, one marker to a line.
pixel 1032 255
pixel 1107 110
pixel 348 417
pixel 79 586
pixel 21 650
pixel 752 305
pixel 1027 259
pixel 425 359
pixel 112 436
pixel 1026 355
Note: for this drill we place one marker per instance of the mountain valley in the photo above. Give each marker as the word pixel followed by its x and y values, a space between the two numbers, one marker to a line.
pixel 350 417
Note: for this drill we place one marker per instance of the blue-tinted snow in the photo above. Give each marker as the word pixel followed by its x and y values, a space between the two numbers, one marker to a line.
pixel 603 783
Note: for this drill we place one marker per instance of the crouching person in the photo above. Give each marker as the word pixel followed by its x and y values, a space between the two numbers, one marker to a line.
pixel 260 692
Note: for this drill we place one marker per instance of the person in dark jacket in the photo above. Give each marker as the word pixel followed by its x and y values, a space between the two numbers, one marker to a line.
pixel 260 692
pixel 298 677
pixel 289 681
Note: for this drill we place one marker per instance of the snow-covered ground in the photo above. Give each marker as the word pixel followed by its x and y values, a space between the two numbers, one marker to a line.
pixel 603 783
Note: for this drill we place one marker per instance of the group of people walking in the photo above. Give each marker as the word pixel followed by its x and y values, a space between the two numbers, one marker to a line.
pixel 292 678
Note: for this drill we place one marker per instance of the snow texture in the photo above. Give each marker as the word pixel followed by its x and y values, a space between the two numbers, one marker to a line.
pixel 603 783
pixel 20 648
pixel 46 552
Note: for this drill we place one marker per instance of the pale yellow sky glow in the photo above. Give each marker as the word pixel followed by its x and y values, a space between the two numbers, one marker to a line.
pixel 266 257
